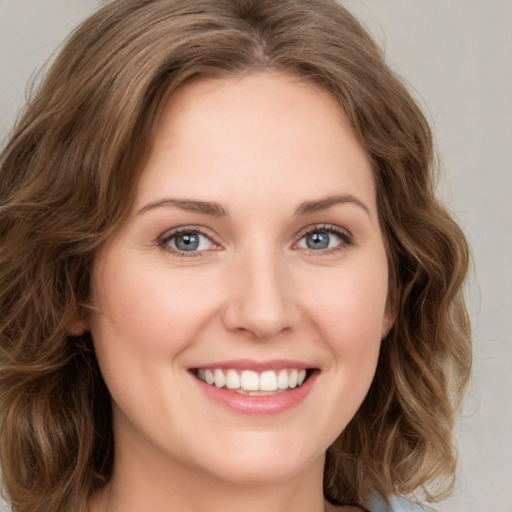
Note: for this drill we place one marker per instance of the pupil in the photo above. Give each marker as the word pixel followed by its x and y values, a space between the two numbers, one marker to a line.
pixel 317 240
pixel 187 242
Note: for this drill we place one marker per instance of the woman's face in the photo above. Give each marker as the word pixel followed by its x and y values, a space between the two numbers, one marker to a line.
pixel 252 259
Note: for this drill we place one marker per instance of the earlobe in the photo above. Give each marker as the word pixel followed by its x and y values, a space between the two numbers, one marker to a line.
pixel 391 311
pixel 77 327
pixel 79 321
pixel 387 323
pixel 389 318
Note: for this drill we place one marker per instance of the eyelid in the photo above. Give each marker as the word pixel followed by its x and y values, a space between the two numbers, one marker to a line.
pixel 164 238
pixel 344 234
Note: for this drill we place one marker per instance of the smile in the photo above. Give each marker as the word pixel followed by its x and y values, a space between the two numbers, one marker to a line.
pixel 253 383
pixel 256 388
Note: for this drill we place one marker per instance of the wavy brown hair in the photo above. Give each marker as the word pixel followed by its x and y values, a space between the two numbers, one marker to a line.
pixel 67 180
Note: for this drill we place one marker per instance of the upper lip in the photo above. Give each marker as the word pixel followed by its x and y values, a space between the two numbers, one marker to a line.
pixel 257 366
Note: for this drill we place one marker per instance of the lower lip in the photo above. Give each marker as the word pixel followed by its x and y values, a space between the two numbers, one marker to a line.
pixel 258 405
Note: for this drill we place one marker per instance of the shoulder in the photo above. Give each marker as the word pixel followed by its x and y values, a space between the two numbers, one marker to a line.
pixel 396 504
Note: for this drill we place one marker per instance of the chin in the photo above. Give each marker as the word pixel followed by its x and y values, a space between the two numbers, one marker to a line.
pixel 263 461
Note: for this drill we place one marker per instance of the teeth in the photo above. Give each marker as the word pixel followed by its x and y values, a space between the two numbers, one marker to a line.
pixel 253 382
pixel 208 377
pixel 282 379
pixel 249 381
pixel 268 381
pixel 292 378
pixel 220 379
pixel 232 379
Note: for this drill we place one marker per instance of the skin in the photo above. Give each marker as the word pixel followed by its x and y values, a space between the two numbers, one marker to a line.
pixel 259 146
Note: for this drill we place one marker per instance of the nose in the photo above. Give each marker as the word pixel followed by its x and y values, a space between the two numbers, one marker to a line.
pixel 260 297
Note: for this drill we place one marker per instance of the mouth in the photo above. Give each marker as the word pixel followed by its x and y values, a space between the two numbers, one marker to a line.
pixel 254 383
pixel 252 387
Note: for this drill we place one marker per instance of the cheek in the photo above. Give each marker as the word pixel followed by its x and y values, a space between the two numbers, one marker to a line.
pixel 350 314
pixel 348 317
pixel 145 319
pixel 143 310
pixel 352 304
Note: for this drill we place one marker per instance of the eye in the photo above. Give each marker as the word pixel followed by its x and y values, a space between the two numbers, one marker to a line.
pixel 324 238
pixel 187 241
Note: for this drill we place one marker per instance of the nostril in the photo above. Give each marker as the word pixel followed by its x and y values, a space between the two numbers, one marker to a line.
pixel 260 301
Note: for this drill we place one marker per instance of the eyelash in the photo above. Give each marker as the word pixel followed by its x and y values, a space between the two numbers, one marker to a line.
pixel 168 236
pixel 345 237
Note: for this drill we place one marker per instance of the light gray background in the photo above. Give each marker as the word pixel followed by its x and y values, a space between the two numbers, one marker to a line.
pixel 457 57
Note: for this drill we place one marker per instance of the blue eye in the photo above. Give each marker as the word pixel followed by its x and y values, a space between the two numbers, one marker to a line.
pixel 187 241
pixel 318 240
pixel 324 238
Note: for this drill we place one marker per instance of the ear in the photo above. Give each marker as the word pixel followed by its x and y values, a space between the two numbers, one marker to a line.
pixel 77 329
pixel 77 326
pixel 390 313
pixel 387 323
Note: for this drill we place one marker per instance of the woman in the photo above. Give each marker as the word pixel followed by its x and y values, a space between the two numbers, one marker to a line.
pixel 227 283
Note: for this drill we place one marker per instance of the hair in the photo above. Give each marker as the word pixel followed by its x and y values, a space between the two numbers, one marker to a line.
pixel 68 176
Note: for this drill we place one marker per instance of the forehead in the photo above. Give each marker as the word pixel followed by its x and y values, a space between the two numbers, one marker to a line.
pixel 249 134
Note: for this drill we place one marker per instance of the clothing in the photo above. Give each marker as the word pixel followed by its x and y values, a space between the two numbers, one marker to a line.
pixel 397 504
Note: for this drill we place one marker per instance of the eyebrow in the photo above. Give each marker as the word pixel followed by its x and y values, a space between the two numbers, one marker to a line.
pixel 327 202
pixel 216 210
pixel 191 205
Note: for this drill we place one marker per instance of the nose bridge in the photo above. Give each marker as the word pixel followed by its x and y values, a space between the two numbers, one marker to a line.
pixel 260 298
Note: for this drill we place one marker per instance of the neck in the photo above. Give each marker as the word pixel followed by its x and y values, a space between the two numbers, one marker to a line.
pixel 144 479
pixel 195 493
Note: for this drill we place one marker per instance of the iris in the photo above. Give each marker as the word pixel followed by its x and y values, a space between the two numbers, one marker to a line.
pixel 187 241
pixel 318 240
